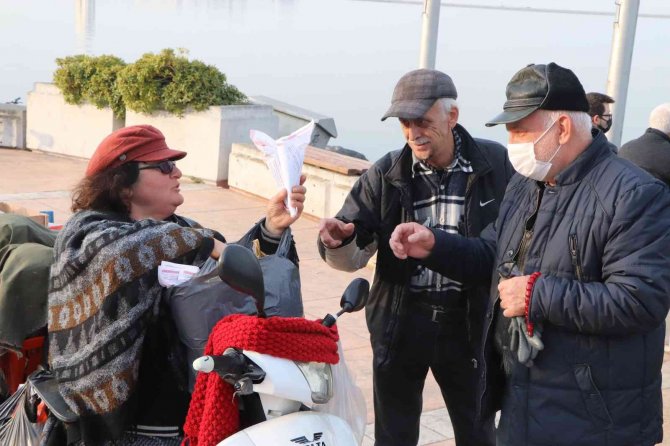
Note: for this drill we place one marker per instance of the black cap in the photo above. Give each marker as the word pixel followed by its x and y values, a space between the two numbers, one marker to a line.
pixel 546 87
pixel 417 91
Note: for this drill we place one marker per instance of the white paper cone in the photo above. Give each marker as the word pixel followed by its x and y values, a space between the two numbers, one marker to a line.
pixel 284 157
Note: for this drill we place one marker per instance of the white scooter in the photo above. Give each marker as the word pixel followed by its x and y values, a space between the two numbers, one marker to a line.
pixel 277 396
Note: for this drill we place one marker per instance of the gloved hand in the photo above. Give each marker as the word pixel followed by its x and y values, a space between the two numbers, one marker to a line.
pixel 526 347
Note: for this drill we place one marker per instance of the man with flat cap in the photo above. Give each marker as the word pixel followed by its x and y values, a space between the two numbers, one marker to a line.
pixel 418 319
pixel 579 264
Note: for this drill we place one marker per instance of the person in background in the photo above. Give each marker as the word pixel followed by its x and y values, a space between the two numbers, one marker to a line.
pixel 579 264
pixel 112 343
pixel 601 113
pixel 418 320
pixel 651 151
pixel 600 110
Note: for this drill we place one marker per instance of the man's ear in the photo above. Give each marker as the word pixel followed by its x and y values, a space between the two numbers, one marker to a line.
pixel 595 119
pixel 565 129
pixel 453 117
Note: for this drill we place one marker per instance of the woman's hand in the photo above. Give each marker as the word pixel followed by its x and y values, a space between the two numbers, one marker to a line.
pixel 219 246
pixel 277 217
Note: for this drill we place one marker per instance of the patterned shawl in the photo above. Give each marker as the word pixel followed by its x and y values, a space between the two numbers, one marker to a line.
pixel 103 293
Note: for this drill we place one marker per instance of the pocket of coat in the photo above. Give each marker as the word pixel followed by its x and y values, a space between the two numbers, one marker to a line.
pixel 574 255
pixel 593 400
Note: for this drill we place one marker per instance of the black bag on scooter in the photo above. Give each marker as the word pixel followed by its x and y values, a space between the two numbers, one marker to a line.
pixel 198 304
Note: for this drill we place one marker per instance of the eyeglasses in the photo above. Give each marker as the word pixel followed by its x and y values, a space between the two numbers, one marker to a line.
pixel 609 116
pixel 165 167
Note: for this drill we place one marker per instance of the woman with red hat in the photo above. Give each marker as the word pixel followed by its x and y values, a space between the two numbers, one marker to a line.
pixel 112 346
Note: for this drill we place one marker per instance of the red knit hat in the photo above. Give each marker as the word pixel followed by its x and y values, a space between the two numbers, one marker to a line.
pixel 134 143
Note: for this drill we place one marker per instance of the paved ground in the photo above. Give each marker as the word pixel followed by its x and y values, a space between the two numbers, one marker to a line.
pixel 42 182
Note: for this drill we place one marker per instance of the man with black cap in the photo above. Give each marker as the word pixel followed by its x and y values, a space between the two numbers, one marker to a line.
pixel 579 259
pixel 419 320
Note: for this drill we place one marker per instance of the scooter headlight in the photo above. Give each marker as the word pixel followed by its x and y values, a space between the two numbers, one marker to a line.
pixel 319 376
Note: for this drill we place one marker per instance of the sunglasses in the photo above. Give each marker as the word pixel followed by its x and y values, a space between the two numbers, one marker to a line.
pixel 165 167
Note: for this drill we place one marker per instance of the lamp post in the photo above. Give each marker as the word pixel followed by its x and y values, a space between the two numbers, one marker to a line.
pixel 623 40
pixel 431 22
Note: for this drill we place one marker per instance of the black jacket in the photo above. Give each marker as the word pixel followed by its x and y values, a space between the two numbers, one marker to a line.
pixel 651 151
pixel 602 243
pixel 380 200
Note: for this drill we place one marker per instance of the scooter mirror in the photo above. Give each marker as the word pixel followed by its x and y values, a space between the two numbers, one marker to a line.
pixel 355 296
pixel 239 268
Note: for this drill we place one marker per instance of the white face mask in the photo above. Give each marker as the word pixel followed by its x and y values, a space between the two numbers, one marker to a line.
pixel 522 157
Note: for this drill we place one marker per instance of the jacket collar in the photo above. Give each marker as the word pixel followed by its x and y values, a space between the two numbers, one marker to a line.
pixel 473 153
pixel 658 133
pixel 597 151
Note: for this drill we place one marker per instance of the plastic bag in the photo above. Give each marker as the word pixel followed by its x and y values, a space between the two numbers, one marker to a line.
pixel 348 401
pixel 198 304
pixel 15 427
pixel 284 157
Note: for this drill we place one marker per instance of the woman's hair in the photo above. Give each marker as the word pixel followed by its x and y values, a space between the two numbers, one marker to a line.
pixel 106 190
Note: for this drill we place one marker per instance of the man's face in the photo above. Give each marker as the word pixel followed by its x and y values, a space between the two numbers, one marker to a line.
pixel 430 136
pixel 604 121
pixel 529 129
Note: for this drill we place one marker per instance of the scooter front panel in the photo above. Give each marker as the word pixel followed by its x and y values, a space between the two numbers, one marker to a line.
pixel 283 378
pixel 296 429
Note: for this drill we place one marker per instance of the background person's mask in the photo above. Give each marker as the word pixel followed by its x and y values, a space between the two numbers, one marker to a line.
pixel 522 157
pixel 607 126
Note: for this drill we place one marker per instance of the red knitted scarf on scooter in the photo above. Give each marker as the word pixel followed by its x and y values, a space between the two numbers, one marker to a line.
pixel 213 415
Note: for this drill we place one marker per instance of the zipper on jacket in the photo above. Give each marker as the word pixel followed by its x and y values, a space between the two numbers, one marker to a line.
pixel 466 232
pixel 523 248
pixel 574 255
pixel 529 226
pixel 468 188
pixel 520 254
pixel 405 217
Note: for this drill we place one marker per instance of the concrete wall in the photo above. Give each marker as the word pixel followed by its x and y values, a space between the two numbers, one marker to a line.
pixel 327 189
pixel 76 130
pixel 13 126
pixel 54 126
pixel 291 118
pixel 207 136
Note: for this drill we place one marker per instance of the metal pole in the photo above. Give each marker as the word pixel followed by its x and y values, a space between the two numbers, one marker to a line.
pixel 84 24
pixel 623 40
pixel 431 22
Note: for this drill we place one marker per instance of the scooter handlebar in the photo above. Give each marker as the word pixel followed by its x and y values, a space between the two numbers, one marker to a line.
pixel 204 364
pixel 329 320
pixel 231 362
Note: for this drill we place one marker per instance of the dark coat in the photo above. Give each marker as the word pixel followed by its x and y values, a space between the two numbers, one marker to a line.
pixel 602 243
pixel 381 199
pixel 651 151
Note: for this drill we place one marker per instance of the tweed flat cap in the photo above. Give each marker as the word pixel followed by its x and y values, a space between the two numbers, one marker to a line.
pixel 417 91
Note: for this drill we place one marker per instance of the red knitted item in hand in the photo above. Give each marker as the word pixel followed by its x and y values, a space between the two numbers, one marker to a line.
pixel 212 414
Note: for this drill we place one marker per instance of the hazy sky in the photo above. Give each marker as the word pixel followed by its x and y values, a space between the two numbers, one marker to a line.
pixel 341 58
